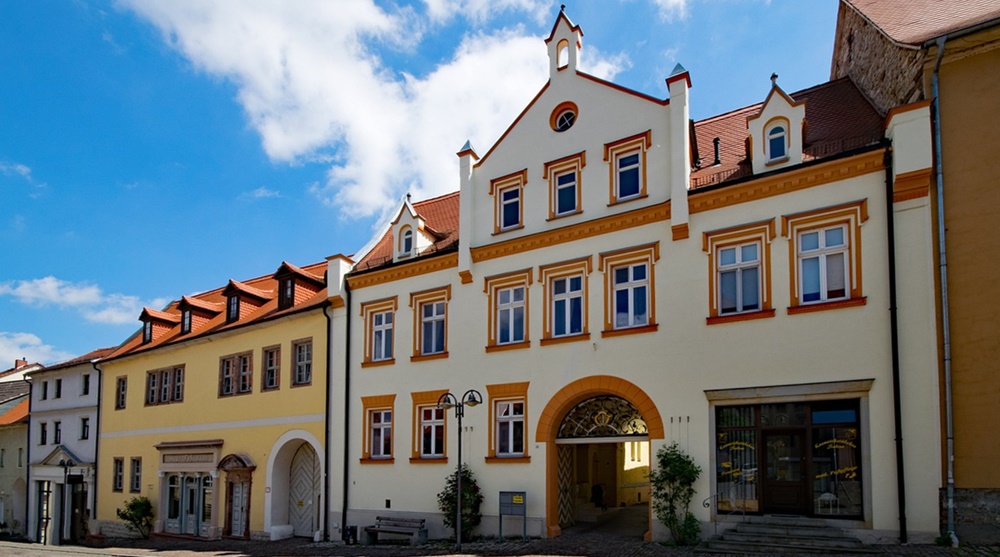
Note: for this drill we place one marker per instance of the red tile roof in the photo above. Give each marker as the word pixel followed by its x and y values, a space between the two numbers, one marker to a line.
pixel 912 22
pixel 839 118
pixel 441 217
pixel 88 357
pixel 16 414
pixel 198 303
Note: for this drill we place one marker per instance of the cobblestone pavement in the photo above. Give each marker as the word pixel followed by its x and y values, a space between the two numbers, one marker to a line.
pixel 618 537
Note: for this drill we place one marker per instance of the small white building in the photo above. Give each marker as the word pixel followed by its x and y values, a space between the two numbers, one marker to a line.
pixel 62 442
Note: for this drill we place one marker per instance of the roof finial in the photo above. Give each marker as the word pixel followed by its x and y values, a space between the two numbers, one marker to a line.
pixel 774 80
pixel 407 197
pixel 562 8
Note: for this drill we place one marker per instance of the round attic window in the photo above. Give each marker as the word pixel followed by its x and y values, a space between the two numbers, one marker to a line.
pixel 563 117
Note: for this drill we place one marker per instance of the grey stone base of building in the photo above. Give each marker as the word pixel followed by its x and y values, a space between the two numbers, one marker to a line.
pixel 977 515
pixel 114 529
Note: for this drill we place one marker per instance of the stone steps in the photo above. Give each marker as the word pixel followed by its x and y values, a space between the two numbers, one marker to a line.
pixel 781 534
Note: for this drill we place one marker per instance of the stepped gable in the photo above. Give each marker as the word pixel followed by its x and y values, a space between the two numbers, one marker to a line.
pixel 441 216
pixel 264 288
pixel 913 22
pixel 839 119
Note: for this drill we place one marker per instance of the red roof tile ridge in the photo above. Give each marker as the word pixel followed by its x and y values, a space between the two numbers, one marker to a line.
pixel 243 287
pixel 302 272
pixel 202 304
pixel 759 105
pixel 161 315
pixel 88 357
pixel 437 199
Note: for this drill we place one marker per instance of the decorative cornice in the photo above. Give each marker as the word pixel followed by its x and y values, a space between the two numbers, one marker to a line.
pixel 603 225
pixel 404 271
pixel 466 276
pixel 786 182
pixel 337 302
pixel 680 231
pixel 912 185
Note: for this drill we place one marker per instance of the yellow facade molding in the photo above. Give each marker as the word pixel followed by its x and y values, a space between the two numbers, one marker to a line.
pixel 912 185
pixel 405 271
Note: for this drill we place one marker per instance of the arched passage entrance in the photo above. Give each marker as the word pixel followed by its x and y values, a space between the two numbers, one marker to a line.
pixel 565 401
pixel 294 506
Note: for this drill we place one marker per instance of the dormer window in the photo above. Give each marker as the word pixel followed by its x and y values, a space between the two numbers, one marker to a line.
pixel 286 296
pixel 147 331
pixel 185 322
pixel 232 309
pixel 776 140
pixel 406 242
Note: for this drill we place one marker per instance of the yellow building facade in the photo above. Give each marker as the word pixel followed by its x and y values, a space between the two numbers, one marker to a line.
pixel 215 411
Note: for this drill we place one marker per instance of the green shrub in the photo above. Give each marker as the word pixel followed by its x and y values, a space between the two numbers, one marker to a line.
pixel 472 499
pixel 138 515
pixel 672 485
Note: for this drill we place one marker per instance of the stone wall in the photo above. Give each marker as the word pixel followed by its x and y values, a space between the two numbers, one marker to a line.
pixel 977 515
pixel 889 74
pixel 116 529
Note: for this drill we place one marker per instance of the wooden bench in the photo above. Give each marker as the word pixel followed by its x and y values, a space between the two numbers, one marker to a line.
pixel 413 527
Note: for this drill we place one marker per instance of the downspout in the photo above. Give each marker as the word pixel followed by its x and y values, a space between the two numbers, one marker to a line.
pixel 347 406
pixel 27 463
pixel 945 317
pixel 326 427
pixel 97 436
pixel 897 402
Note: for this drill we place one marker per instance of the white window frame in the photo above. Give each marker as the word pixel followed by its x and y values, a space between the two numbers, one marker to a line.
pixel 271 357
pixel 303 353
pixel 509 419
pixel 566 297
pixel 135 475
pixel 429 428
pixel 738 267
pixel 822 254
pixel 383 323
pixel 509 310
pixel 384 428
pixel 631 286
pixel 435 324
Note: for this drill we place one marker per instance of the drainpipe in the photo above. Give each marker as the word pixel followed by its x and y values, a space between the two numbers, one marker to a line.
pixel 897 403
pixel 945 317
pixel 347 405
pixel 97 437
pixel 27 465
pixel 326 428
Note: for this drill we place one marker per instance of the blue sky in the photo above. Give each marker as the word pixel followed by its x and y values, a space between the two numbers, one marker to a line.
pixel 155 148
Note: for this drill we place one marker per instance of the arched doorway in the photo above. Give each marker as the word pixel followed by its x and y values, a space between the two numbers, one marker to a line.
pixel 239 475
pixel 303 496
pixel 595 411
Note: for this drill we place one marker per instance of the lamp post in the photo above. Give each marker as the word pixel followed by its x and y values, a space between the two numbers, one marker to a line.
pixel 471 398
pixel 63 495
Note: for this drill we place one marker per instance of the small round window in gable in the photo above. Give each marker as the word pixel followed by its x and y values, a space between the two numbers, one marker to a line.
pixel 563 117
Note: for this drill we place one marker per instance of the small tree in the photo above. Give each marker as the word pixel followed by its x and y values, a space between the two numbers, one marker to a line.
pixel 138 515
pixel 472 498
pixel 673 488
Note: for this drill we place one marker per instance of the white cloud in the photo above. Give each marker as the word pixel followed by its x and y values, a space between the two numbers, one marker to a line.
pixel 312 84
pixel 14 346
pixel 672 9
pixel 23 171
pixel 93 304
pixel 260 193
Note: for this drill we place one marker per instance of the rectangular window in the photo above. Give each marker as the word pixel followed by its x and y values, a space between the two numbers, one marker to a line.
pixel 431 432
pixel 382 336
pixel 135 477
pixel 565 311
pixel 564 178
pixel 508 200
pixel 20 458
pixel 45 390
pixel 164 386
pixel 378 415
pixel 58 393
pixel 178 384
pixel 272 368
pixel 185 322
pixel 3 457
pixel 302 350
pixel 431 322
pixel 508 408
pixel 147 331
pixel 626 160
pixel 286 295
pixel 380 322
pixel 826 256
pixel 508 299
pixel 57 432
pixel 118 474
pixel 84 428
pixel 739 278
pixel 152 387
pixel 232 309
pixel 121 390
pixel 236 374
pixel 246 373
pixel 43 433
pixel 510 428
pixel 85 385
pixel 629 286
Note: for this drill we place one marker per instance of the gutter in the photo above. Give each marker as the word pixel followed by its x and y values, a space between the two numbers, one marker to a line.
pixel 27 464
pixel 347 408
pixel 945 314
pixel 326 429
pixel 897 402
pixel 97 436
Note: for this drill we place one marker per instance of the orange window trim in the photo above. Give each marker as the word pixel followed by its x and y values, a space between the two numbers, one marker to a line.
pixel 575 163
pixel 497 187
pixel 649 254
pixel 417 300
pixel 368 405
pixel 498 282
pixel 423 400
pixel 368 311
pixel 410 268
pixel 853 214
pixel 715 240
pixel 500 393
pixel 547 273
pixel 616 149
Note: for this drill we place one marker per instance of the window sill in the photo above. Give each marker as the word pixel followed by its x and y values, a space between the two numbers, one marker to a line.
pixel 508 459
pixel 568 338
pixel 377 460
pixel 630 331
pixel 564 215
pixel 777 161
pixel 509 346
pixel 627 199
pixel 500 231
pixel 304 384
pixel 424 358
pixel 378 363
pixel 823 306
pixel 439 460
pixel 737 317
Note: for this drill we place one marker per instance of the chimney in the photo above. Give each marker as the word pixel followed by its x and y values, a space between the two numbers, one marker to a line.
pixel 20 363
pixel 467 158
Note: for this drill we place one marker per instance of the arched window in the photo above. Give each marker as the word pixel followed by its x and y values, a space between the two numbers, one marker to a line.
pixel 406 242
pixel 562 54
pixel 777 138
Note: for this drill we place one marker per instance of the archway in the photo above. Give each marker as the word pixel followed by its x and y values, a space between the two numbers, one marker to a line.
pixel 294 505
pixel 561 404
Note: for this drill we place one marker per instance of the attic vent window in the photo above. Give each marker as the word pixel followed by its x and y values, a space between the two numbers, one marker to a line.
pixel 563 117
pixel 286 298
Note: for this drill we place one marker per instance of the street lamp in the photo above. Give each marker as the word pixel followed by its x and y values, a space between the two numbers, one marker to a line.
pixel 471 398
